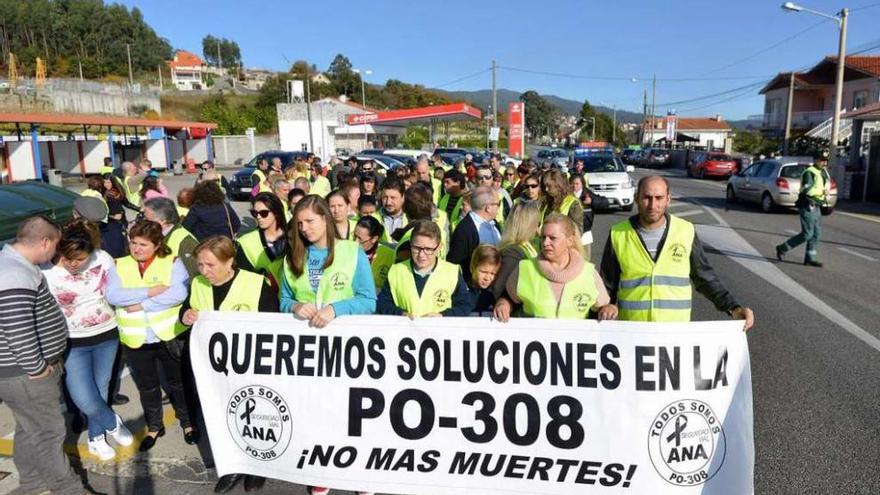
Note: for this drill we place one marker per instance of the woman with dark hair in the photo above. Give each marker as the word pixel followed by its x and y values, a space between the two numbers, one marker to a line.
pixel 262 250
pixel 221 286
pixel 147 289
pixel 368 184
pixel 316 262
pixel 210 214
pixel 152 187
pixel 528 189
pixel 78 280
pixel 368 232
pixel 557 197
pixel 340 210
pixel 113 238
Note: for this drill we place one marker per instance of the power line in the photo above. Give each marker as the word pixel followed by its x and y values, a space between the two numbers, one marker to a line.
pixel 463 78
pixel 621 78
pixel 714 95
pixel 863 7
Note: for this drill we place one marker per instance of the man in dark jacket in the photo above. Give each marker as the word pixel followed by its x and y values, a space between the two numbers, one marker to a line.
pixel 477 227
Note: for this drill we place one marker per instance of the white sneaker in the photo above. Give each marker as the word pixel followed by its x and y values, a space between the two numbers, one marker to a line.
pixel 120 434
pixel 101 448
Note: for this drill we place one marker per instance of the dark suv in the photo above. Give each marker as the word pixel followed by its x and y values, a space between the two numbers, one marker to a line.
pixel 240 184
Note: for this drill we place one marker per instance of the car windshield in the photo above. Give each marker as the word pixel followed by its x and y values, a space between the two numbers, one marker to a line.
pixel 720 158
pixel 660 152
pixel 602 163
pixel 793 171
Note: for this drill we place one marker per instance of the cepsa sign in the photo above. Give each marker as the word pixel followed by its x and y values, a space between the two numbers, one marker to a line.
pixel 471 406
pixel 516 118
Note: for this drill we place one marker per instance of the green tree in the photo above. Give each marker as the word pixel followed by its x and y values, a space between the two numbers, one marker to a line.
pixel 343 78
pixel 604 126
pixel 230 53
pixel 540 114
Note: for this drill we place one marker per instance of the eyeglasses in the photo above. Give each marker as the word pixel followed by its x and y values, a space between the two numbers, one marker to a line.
pixel 533 186
pixel 483 177
pixel 260 213
pixel 422 249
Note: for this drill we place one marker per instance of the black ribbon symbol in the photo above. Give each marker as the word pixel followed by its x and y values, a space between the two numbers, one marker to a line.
pixel 680 424
pixel 249 408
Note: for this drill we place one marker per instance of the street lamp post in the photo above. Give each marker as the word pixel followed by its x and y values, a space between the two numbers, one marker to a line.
pixel 841 19
pixel 364 100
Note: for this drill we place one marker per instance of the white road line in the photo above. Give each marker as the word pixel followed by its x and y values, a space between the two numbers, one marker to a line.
pixel 856 253
pixel 792 231
pixel 866 218
pixel 725 239
pixel 690 213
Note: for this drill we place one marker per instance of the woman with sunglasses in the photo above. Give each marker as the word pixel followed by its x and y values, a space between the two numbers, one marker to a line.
pixel 424 285
pixel 262 250
pixel 368 233
pixel 529 189
pixel 207 172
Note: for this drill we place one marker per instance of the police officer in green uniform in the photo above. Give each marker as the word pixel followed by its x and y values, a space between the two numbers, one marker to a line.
pixel 653 259
pixel 220 286
pixel 810 202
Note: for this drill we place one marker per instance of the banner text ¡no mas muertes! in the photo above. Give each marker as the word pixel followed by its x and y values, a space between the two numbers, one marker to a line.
pixel 473 406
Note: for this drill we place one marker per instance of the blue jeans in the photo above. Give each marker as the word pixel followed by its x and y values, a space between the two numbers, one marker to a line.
pixel 88 371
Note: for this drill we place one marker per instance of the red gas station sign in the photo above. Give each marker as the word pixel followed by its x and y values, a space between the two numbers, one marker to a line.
pixel 516 118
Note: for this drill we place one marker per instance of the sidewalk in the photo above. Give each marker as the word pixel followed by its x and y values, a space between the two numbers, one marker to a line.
pixel 859 207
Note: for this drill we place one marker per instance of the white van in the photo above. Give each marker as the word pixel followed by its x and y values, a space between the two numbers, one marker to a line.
pixel 414 154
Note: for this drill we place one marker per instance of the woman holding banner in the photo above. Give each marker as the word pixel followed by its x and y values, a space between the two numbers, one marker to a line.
pixel 221 286
pixel 559 283
pixel 425 285
pixel 323 277
pixel 147 288
pixel 263 250
pixel 521 228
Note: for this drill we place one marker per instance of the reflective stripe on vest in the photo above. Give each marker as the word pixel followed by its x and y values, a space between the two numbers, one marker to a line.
pixel 381 263
pixel 528 250
pixel 255 252
pixel 177 235
pixel 336 282
pixel 817 190
pixel 437 189
pixel 649 290
pixel 436 295
pixel 243 295
pixel 133 326
pixel 578 295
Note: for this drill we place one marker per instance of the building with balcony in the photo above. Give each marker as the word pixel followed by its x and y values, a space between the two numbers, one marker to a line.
pixel 813 100
pixel 186 71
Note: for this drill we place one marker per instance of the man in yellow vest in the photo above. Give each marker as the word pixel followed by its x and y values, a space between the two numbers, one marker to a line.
pixel 318 184
pixel 814 187
pixel 652 260
pixel 181 242
pixel 132 179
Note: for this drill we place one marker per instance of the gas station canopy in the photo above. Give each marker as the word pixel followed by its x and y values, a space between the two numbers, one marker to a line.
pixel 102 120
pixel 418 116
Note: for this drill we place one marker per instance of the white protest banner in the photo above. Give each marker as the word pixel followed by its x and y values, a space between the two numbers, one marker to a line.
pixel 472 406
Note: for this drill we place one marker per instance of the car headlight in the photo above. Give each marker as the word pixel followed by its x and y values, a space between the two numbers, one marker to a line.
pixel 630 184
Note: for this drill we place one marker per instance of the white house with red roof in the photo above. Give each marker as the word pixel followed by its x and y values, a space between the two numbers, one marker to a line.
pixel 707 132
pixel 187 71
pixel 813 100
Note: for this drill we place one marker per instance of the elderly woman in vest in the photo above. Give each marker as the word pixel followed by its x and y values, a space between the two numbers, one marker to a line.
pixel 263 249
pixel 425 285
pixel 221 286
pixel 147 288
pixel 323 277
pixel 559 283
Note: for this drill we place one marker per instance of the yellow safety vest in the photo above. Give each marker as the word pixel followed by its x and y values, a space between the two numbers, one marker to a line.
pixel 244 293
pixel 255 252
pixel 177 235
pixel 386 236
pixel 456 211
pixel 441 220
pixel 528 249
pixel 182 212
pixel 578 296
pixel 564 207
pixel 91 193
pixel 436 295
pixel 382 261
pixel 649 290
pixel 352 223
pixel 133 326
pixel 336 281
pixel 817 190
pixel 321 186
pixel 261 177
pixel 437 187
pixel 133 196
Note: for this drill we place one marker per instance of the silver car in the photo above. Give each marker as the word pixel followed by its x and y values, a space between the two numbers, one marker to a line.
pixel 776 182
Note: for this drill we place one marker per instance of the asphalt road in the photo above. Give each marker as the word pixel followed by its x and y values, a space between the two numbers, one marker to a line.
pixel 814 350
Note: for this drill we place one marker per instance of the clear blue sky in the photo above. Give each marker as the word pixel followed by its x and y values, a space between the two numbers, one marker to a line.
pixel 434 43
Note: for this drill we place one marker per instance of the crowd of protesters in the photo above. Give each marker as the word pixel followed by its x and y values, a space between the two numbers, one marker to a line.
pixel 131 274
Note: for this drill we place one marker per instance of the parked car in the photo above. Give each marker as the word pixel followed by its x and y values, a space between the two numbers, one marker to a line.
pixel 414 154
pixel 240 185
pixel 373 151
pixel 22 200
pixel 459 151
pixel 553 156
pixel 776 183
pixel 384 162
pixel 628 156
pixel 713 165
pixel 507 160
pixel 654 158
pixel 608 177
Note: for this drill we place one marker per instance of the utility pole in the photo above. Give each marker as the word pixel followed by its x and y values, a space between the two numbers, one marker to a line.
pixel 219 57
pixel 786 143
pixel 653 109
pixel 309 109
pixel 614 127
pixel 644 117
pixel 494 98
pixel 160 77
pixel 80 70
pixel 838 90
pixel 130 74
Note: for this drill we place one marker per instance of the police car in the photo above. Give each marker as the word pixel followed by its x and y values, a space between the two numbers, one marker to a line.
pixel 608 176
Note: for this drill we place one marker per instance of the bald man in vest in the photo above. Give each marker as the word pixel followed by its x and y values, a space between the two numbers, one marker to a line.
pixel 653 260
